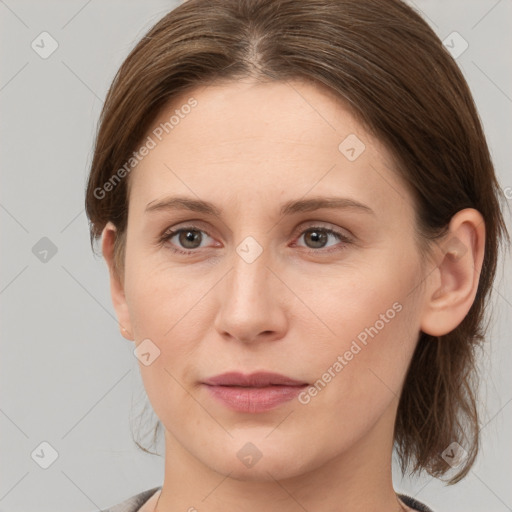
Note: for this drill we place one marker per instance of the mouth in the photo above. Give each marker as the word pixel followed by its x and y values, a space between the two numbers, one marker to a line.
pixel 253 380
pixel 253 393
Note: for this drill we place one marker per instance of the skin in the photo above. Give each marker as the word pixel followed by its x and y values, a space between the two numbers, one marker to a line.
pixel 249 148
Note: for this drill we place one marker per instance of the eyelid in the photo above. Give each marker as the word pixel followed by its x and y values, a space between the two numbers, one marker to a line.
pixel 197 224
pixel 324 225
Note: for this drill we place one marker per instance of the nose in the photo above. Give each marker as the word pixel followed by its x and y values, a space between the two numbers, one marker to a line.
pixel 252 303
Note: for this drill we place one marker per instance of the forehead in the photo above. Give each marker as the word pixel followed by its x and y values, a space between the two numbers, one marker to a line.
pixel 271 140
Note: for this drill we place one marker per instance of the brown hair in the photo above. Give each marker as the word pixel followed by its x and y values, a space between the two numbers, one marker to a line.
pixel 386 63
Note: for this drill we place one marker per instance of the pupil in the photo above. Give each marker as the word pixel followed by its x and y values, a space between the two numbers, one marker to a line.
pixel 189 237
pixel 318 237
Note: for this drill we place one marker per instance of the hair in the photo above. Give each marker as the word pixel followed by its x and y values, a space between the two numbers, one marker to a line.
pixel 388 66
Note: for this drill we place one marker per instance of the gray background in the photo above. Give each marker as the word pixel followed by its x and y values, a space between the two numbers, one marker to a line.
pixel 67 376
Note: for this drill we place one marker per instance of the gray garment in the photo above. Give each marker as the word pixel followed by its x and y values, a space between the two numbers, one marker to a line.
pixel 135 502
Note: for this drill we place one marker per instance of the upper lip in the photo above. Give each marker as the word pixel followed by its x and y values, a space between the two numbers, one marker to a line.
pixel 252 380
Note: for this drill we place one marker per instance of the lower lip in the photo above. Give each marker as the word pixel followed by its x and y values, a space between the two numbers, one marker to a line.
pixel 242 399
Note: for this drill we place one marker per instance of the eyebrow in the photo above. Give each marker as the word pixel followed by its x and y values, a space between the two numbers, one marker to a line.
pixel 288 208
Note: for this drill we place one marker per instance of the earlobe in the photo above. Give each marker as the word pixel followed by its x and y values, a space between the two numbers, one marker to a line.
pixel 453 284
pixel 116 285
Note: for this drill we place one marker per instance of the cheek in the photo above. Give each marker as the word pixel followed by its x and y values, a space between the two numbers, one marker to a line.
pixel 165 307
pixel 371 323
pixel 161 300
pixel 359 376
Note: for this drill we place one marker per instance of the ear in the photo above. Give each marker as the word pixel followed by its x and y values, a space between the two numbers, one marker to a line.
pixel 453 284
pixel 116 282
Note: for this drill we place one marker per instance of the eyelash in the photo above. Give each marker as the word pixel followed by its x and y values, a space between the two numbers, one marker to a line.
pixel 167 235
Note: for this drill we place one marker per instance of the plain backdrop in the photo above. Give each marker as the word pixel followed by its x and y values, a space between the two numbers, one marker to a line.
pixel 67 377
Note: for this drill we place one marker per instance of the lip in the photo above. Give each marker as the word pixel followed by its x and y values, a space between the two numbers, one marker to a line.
pixel 255 392
pixel 253 380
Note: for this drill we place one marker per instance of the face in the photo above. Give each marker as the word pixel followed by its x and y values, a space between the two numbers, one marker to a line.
pixel 266 278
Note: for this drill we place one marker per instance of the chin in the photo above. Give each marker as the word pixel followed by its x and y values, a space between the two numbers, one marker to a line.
pixel 261 460
pixel 263 471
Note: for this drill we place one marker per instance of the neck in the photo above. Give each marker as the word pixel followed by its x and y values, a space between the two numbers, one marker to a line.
pixel 357 480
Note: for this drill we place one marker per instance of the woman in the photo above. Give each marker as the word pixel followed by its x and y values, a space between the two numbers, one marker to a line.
pixel 301 221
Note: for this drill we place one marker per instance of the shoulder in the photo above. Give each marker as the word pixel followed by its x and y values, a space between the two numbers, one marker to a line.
pixel 134 503
pixel 414 504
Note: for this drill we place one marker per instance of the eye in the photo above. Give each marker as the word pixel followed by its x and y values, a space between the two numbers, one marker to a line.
pixel 188 237
pixel 317 237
